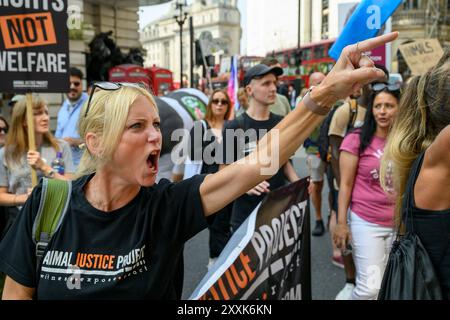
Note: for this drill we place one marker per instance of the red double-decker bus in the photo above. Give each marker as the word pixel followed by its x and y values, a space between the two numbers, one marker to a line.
pixel 314 57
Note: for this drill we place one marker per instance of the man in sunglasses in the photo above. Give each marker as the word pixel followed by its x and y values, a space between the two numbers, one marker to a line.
pixel 68 115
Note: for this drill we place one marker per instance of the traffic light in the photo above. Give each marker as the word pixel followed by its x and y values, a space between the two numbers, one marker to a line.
pixel 198 53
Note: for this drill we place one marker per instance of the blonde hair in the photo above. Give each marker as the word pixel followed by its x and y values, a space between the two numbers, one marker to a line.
pixel 243 98
pixel 423 112
pixel 106 118
pixel 16 144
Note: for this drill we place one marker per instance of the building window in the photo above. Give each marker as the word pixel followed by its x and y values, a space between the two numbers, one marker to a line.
pixel 166 62
pixel 325 26
pixel 411 4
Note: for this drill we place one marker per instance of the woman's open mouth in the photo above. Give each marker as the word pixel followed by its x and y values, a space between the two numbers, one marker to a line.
pixel 152 161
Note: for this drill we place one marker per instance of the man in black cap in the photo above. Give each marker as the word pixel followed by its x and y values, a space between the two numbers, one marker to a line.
pixel 241 135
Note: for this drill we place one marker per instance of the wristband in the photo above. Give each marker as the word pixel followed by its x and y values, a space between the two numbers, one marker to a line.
pixel 312 106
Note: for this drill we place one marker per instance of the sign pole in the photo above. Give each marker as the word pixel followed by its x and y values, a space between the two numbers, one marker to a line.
pixel 31 140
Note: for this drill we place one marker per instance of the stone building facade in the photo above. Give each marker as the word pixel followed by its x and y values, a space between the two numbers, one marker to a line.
pixel 218 20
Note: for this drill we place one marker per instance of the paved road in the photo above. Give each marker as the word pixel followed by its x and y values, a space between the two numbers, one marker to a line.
pixel 327 279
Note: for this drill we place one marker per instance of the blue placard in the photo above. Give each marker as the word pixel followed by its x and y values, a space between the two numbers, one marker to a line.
pixel 365 22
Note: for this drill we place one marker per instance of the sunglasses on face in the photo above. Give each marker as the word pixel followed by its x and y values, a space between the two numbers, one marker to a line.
pixel 4 130
pixel 377 87
pixel 111 86
pixel 75 83
pixel 219 101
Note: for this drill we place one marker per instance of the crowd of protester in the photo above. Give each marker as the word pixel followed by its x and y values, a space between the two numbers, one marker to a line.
pixel 376 132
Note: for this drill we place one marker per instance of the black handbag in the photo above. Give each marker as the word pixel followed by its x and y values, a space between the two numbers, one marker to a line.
pixel 409 273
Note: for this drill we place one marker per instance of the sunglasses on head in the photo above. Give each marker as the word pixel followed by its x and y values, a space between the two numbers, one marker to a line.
pixel 4 130
pixel 111 86
pixel 377 87
pixel 223 102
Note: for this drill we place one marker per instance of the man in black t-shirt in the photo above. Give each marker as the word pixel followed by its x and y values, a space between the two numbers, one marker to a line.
pixel 241 136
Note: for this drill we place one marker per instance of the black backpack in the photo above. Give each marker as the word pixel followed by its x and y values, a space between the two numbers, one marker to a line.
pixel 324 141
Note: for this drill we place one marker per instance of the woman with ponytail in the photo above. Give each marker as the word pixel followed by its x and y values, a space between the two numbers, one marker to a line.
pixel 418 152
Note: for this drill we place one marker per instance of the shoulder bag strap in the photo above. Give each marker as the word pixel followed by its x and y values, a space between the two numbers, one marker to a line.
pixel 53 206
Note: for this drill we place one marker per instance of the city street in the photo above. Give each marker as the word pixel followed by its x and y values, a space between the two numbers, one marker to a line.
pixel 327 279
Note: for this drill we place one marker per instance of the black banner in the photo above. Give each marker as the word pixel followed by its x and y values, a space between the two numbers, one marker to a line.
pixel 269 257
pixel 34 46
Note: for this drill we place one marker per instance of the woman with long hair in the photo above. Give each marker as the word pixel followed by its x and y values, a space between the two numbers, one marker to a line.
pixel 371 229
pixel 218 111
pixel 420 139
pixel 123 232
pixel 4 127
pixel 16 160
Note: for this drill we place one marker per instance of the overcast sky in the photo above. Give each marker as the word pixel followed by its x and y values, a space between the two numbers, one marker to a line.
pixel 152 13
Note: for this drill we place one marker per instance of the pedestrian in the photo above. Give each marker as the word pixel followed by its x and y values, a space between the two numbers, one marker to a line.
pixel 420 139
pixel 260 84
pixel 281 105
pixel 69 114
pixel 16 160
pixel 243 101
pixel 4 127
pixel 316 167
pixel 292 95
pixel 122 231
pixel 371 231
pixel 203 147
pixel 348 116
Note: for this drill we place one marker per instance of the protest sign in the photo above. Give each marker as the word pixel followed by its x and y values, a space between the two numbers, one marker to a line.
pixel 34 46
pixel 365 22
pixel 421 55
pixel 268 258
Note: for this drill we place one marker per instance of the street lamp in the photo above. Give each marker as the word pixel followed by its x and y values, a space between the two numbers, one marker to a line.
pixel 180 19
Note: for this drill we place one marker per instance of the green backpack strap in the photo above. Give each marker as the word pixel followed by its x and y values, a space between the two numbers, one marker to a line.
pixel 53 206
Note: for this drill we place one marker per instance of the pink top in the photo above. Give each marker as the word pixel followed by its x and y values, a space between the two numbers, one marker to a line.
pixel 369 201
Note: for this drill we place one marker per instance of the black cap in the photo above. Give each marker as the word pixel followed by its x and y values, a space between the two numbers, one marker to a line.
pixel 260 70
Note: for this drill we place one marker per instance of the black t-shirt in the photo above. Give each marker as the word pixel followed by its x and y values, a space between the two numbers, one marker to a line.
pixel 201 146
pixel 130 253
pixel 236 146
